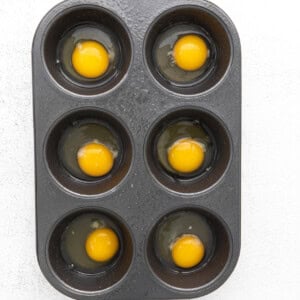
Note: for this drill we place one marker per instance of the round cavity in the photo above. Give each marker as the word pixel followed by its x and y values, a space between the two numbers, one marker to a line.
pixel 188 49
pixel 89 151
pixel 190 270
pixel 188 150
pixel 87 49
pixel 68 256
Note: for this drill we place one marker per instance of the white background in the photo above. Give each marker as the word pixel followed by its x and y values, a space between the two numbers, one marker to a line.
pixel 269 266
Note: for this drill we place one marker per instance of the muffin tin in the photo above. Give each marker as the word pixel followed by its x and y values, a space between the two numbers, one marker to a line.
pixel 136 102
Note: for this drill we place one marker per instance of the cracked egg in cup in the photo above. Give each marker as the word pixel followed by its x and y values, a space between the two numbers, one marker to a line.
pixel 89 150
pixel 184 54
pixel 89 54
pixel 185 148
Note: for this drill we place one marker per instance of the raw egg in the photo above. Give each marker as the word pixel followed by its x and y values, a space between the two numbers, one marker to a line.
pixel 184 240
pixel 185 148
pixel 190 52
pixel 187 251
pixel 95 159
pixel 184 54
pixel 89 54
pixel 89 150
pixel 91 242
pixel 186 155
pixel 102 245
pixel 90 59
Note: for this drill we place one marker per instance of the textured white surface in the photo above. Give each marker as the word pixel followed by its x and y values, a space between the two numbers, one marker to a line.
pixel 270 258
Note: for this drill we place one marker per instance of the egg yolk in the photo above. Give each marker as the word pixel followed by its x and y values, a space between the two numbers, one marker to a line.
pixel 187 251
pixel 186 155
pixel 90 59
pixel 102 245
pixel 95 159
pixel 190 52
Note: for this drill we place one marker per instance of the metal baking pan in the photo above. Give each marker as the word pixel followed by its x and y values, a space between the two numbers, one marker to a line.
pixel 137 102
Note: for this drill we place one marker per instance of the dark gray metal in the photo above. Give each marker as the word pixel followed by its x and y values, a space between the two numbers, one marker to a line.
pixel 138 100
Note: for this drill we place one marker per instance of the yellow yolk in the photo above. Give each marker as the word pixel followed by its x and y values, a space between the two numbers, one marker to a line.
pixel 90 59
pixel 102 245
pixel 187 251
pixel 186 155
pixel 95 159
pixel 190 52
